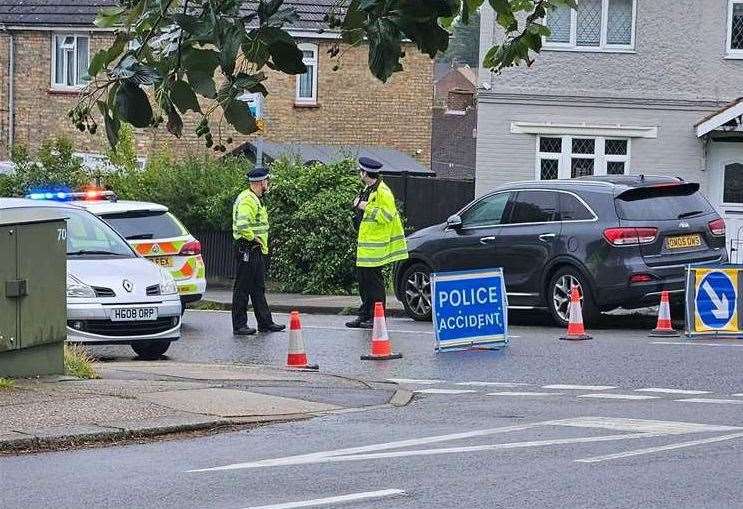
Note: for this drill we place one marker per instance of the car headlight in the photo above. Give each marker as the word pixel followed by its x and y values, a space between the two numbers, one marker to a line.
pixel 167 283
pixel 78 289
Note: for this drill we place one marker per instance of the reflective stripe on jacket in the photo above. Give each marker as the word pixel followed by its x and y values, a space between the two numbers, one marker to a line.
pixel 381 236
pixel 250 219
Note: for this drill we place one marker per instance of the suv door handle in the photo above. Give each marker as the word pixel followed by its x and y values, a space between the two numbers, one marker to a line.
pixel 546 237
pixel 487 240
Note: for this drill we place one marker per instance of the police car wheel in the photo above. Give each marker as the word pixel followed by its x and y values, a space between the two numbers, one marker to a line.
pixel 151 350
pixel 558 296
pixel 416 292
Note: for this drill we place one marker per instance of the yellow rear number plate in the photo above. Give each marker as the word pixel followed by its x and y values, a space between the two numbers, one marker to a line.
pixel 683 242
pixel 162 261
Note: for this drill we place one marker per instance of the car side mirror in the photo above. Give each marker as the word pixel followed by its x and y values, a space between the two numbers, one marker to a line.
pixel 454 222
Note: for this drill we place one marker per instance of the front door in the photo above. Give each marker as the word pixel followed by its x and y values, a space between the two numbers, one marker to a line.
pixel 726 192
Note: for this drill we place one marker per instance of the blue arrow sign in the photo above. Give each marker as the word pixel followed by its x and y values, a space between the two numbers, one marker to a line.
pixel 716 299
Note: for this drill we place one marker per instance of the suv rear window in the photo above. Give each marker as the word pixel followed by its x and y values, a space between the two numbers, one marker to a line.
pixel 145 225
pixel 662 203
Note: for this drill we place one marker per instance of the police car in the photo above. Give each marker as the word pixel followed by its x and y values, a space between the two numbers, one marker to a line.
pixel 114 296
pixel 156 234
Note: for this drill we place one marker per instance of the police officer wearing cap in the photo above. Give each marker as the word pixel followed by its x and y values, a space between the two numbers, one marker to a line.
pixel 381 239
pixel 250 231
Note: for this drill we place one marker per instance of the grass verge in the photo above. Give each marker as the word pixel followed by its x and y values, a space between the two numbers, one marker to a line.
pixel 78 362
pixel 6 384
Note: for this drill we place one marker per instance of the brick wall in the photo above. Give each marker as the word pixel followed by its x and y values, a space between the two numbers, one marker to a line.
pixel 353 107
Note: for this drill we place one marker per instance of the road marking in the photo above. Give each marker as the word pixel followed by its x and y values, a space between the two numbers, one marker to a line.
pixel 650 450
pixel 618 396
pixel 365 495
pixel 580 387
pixel 493 384
pixel 738 395
pixel 641 425
pixel 711 400
pixel 688 343
pixel 671 391
pixel 448 391
pixel 301 459
pixel 412 381
pixel 511 393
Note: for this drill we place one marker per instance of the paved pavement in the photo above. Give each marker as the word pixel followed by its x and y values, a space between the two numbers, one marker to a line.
pixel 620 421
pixel 315 304
pixel 135 399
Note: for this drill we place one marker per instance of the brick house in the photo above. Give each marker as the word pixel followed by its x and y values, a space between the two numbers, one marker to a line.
pixel 45 49
pixel 454 125
pixel 623 87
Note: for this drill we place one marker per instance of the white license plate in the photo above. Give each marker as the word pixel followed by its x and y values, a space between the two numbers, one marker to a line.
pixel 133 314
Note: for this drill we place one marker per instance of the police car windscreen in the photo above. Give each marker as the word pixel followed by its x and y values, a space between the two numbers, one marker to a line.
pixel 145 225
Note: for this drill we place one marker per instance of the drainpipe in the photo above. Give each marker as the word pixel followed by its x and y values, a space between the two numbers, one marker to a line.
pixel 11 89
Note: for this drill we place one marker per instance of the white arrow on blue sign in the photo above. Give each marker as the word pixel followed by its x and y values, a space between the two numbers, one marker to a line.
pixel 716 300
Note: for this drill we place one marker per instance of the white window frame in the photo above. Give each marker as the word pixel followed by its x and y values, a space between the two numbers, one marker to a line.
pixel 314 62
pixel 565 157
pixel 63 86
pixel 603 45
pixel 730 52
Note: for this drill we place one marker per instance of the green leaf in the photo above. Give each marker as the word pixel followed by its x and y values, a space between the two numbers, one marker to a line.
pixel 133 105
pixel 130 69
pixel 97 63
pixel 202 83
pixel 468 7
pixel 112 124
pixel 352 29
pixel 230 44
pixel 238 115
pixel 384 48
pixel 254 50
pixel 109 16
pixel 175 124
pixel 184 97
pixel 204 60
pixel 285 55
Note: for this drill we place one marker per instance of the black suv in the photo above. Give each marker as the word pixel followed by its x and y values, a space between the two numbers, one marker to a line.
pixel 619 239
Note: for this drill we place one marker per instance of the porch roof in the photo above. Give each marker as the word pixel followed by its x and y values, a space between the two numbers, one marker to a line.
pixel 721 117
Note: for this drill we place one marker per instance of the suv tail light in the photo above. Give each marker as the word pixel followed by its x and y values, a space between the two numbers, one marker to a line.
pixel 630 236
pixel 191 248
pixel 641 278
pixel 717 227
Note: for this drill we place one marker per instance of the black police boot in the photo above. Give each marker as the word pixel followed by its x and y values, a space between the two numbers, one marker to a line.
pixel 360 324
pixel 274 327
pixel 244 331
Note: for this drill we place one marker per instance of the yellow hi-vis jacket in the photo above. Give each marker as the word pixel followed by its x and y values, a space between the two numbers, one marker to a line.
pixel 250 219
pixel 381 235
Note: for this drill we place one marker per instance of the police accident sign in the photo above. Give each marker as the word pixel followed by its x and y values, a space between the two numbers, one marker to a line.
pixel 469 309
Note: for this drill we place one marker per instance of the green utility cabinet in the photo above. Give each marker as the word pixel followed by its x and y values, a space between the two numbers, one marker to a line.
pixel 33 300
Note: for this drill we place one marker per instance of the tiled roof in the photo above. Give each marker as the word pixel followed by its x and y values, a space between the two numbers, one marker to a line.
pixel 79 13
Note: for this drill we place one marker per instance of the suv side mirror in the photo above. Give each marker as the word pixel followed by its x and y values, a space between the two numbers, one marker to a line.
pixel 454 222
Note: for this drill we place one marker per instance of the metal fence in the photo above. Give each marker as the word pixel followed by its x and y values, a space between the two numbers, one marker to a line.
pixel 424 202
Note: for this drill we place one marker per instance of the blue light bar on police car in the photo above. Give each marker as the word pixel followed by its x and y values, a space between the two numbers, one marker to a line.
pixel 73 196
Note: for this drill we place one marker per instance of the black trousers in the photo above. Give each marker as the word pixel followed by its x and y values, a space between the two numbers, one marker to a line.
pixel 371 290
pixel 250 286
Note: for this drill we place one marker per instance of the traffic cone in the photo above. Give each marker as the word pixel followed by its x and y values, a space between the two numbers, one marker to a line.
pixel 297 357
pixel 576 331
pixel 664 329
pixel 381 348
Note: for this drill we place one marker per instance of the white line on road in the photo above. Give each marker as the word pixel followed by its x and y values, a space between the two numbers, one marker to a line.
pixel 618 396
pixel 353 497
pixel 689 343
pixel 494 384
pixel 641 425
pixel 711 400
pixel 671 391
pixel 413 381
pixel 580 387
pixel 650 450
pixel 448 391
pixel 738 395
pixel 301 459
pixel 474 448
pixel 512 393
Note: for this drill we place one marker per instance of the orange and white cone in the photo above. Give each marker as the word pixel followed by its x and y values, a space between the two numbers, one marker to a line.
pixel 381 348
pixel 576 331
pixel 297 357
pixel 664 328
